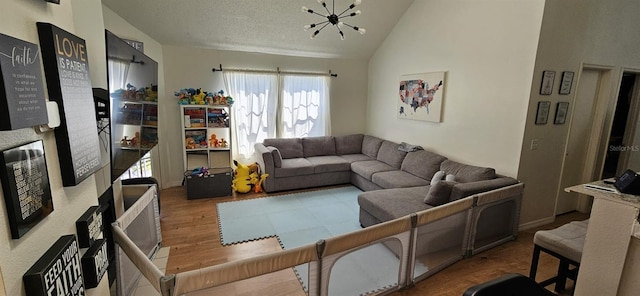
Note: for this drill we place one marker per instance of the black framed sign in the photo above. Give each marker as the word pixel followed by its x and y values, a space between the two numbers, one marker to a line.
pixel 95 264
pixel 89 226
pixel 57 272
pixel 542 114
pixel 66 68
pixel 546 87
pixel 22 100
pixel 566 82
pixel 561 113
pixel 25 184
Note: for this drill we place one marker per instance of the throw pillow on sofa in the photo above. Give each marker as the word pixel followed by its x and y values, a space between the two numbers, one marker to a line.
pixel 440 176
pixel 437 177
pixel 277 157
pixel 439 193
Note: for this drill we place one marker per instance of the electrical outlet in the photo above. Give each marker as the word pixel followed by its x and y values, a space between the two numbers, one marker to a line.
pixel 534 144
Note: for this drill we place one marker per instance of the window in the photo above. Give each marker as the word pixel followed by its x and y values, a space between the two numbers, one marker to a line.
pixel 276 106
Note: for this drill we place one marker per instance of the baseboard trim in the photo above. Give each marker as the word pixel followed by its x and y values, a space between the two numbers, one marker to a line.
pixel 536 223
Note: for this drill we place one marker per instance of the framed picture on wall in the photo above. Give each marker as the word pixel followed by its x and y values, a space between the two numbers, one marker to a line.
pixel 543 112
pixel 25 184
pixel 421 96
pixel 561 113
pixel 546 88
pixel 566 82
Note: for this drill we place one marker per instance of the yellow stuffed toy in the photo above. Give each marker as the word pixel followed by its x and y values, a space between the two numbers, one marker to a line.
pixel 247 177
pixel 241 180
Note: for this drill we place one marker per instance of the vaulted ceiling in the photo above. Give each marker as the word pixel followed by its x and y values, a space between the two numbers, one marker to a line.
pixel 266 26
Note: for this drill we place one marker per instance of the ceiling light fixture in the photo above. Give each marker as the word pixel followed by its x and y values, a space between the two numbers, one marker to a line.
pixel 333 18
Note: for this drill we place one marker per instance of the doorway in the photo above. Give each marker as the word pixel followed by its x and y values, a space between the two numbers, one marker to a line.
pixel 585 137
pixel 623 145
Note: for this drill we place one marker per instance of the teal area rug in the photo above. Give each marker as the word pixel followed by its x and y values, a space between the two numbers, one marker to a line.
pixel 304 218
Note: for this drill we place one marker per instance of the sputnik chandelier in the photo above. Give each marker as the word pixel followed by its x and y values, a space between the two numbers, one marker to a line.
pixel 333 18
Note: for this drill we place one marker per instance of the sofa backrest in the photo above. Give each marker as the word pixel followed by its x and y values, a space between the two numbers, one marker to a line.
pixel 389 154
pixel 350 144
pixel 371 145
pixel 289 148
pixel 467 173
pixel 318 146
pixel 422 163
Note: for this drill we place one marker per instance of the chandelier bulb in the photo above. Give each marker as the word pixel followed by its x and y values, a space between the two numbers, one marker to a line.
pixel 358 12
pixel 340 24
pixel 305 9
pixel 314 34
pixel 357 2
pixel 362 31
pixel 307 27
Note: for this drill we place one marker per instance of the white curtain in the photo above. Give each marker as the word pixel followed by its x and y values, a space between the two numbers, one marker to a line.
pixel 253 113
pixel 305 106
pixel 118 72
pixel 275 106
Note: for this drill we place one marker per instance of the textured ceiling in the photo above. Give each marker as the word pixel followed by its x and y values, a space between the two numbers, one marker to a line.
pixel 266 26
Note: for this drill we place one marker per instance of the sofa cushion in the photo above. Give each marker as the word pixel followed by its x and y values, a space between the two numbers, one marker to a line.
pixel 289 148
pixel 371 145
pixel 439 193
pixel 318 146
pixel 327 164
pixel 277 157
pixel 294 167
pixel 397 179
pixel 394 203
pixel 350 144
pixel 422 163
pixel 367 168
pixel 355 157
pixel 462 190
pixel 389 154
pixel 467 173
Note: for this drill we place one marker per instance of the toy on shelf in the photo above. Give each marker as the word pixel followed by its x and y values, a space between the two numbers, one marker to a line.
pixel 130 142
pixel 192 96
pixel 213 141
pixel 134 141
pixel 190 143
pixel 132 93
pixel 223 143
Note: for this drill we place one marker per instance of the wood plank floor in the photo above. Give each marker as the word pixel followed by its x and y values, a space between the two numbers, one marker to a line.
pixel 190 228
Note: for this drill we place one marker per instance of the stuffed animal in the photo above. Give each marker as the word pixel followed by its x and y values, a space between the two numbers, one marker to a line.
pixel 241 180
pixel 214 142
pixel 257 182
pixel 190 143
pixel 247 177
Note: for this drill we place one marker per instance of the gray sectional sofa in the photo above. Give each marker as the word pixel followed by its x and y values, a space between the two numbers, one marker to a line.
pixel 396 182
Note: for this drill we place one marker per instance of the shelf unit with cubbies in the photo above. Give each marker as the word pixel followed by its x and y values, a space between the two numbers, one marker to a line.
pixel 207 143
pixel 206 134
pixel 136 125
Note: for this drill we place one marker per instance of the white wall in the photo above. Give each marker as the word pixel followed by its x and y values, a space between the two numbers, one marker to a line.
pixel 18 19
pixel 488 50
pixel 598 33
pixel 191 67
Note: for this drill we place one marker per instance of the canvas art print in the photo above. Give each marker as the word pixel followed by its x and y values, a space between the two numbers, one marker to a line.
pixel 421 96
